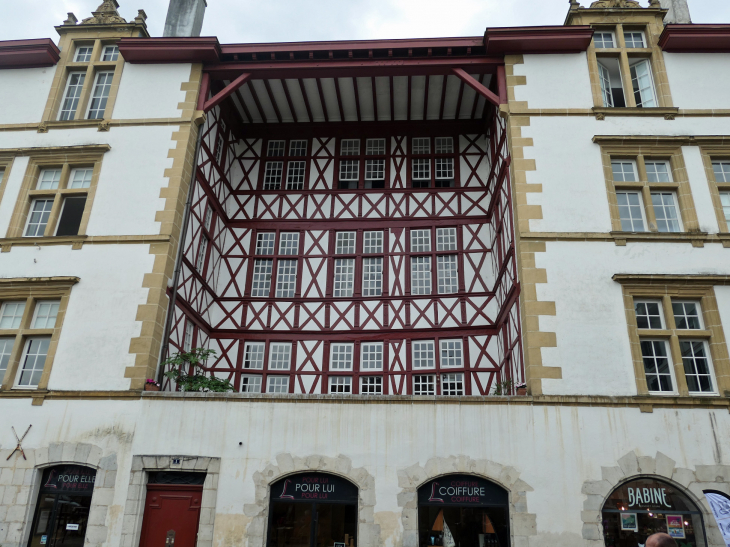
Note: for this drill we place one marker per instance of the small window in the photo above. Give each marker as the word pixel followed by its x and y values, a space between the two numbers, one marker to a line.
pixel 631 211
pixel 286 280
pixel 72 95
pixel 665 210
pixel 697 368
pixel 100 95
pixel 298 148
pixel 344 277
pixel 448 274
pixel 45 314
pixel 420 241
pixel 218 148
pixel 277 384
pixel 373 243
pixel 349 174
pixel 451 354
pixel 208 217
pixel 341 356
pixel 648 315
pixel 612 88
pixel 265 243
pixel 372 356
pixel 371 385
pixel 423 354
pixel 80 178
pixel 202 249
pixel 725 201
pixel 722 171
pixel 421 173
pixel 375 147
pixel 424 384
pixel 445 239
pixel 253 355
pixel 110 53
pixel 350 147
pixel 656 366
pixel 276 148
pixel 604 40
pixel 188 336
pixel 83 54
pixel 289 243
pixel 250 383
pixel 11 314
pixel 634 39
pixel 345 243
pixel 444 145
pixel 40 210
pixel 624 171
pixel 6 348
pixel 49 179
pixel 272 175
pixel 372 276
pixel 340 384
pixel 34 359
pixel 420 275
pixel 261 285
pixel 444 172
pixel 374 173
pixel 280 356
pixel 658 171
pixel 687 315
pixel 452 384
pixel 71 214
pixel 421 145
pixel 642 83
pixel 295 175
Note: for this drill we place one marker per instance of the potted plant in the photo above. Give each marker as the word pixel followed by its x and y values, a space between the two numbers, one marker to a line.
pixel 522 389
pixel 186 370
pixel 151 385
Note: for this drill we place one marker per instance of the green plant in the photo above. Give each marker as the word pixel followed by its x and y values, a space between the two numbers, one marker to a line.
pixel 505 387
pixel 185 371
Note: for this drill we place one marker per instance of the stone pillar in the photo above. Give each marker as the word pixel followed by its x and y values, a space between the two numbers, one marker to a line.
pixel 184 18
pixel 678 11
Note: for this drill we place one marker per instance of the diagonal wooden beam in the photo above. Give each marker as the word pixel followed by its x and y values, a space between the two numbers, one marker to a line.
pixel 357 98
pixel 321 100
pixel 443 98
pixel 306 99
pixel 475 85
pixel 256 100
pixel 502 84
pixel 289 101
pixel 425 98
pixel 392 101
pixel 375 99
pixel 243 105
pixel 339 99
pixel 272 99
pixel 226 91
pixel 458 102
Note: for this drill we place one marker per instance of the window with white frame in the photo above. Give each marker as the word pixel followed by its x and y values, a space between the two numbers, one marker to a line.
pixel 604 40
pixel 298 148
pixel 218 147
pixel 721 170
pixel 665 210
pixel 444 145
pixel 340 384
pixel 687 315
pixel 83 54
pixel 33 361
pixel 445 239
pixel 110 53
pixel 642 83
pixel 188 337
pixel 697 368
pixel 349 174
pixel 289 243
pixel 40 211
pixel 265 243
pixel 272 175
pixel 72 95
pixel 634 39
pixel 420 275
pixel 607 89
pixel 253 355
pixel 373 242
pixel 421 145
pixel 345 243
pixel 49 179
pixel 372 276
pixel 295 175
pixel 100 95
pixel 276 148
pixel 421 241
pixel 371 357
pixel 421 173
pixel 657 366
pixel 261 283
pixel 624 171
pixel 725 202
pixel 6 348
pixel 11 313
pixel 452 383
pixel 648 314
pixel 631 211
pixel 202 250
pixel 344 277
pixel 277 384
pixel 208 218
pixel 46 312
pixel 451 354
pixel 375 147
pixel 444 172
pixel 374 173
pixel 371 385
pixel 350 147
pixel 80 178
pixel 251 383
pixel 280 356
pixel 423 354
pixel 341 356
pixel 286 279
pixel 448 274
pixel 658 171
pixel 424 384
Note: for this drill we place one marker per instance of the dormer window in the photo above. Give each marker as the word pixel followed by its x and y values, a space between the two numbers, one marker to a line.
pixel 83 54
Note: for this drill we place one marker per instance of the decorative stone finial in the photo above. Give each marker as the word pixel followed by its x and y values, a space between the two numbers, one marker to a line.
pixel 655 4
pixel 105 14
pixel 615 4
pixel 574 4
pixel 141 18
pixel 71 20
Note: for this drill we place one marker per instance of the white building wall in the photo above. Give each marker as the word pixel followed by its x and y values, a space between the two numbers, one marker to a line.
pixel 699 80
pixel 151 91
pixel 555 81
pixel 23 94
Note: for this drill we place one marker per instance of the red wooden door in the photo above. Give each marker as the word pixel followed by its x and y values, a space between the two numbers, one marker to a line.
pixel 171 507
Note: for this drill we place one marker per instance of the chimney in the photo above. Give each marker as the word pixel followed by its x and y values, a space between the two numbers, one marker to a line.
pixel 185 18
pixel 678 11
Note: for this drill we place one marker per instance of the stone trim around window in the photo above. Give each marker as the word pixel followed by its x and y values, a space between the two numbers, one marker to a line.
pixel 709 154
pixel 664 288
pixel 137 493
pixel 523 525
pixel 633 466
pixel 32 290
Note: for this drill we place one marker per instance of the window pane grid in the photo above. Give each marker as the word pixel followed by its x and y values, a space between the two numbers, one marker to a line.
pixel 287 279
pixel 277 384
pixel 38 219
pixel 11 314
pixel 295 175
pixel 265 243
pixel 272 176
pixel 445 239
pixel 373 242
pixel 73 94
pixel 250 383
pixel 630 211
pixel 372 276
pixel 656 365
pixel 424 384
pixel 444 145
pixel 49 179
pixel 696 366
pixel 349 169
pixel 623 171
pixel 372 356
pixel 100 95
pixel 420 241
pixel 423 354
pixel 371 385
pixel 298 148
pixel 421 275
pixel 451 354
pixel 350 147
pixel 421 145
pixel 686 315
pixel 80 178
pixel 276 148
pixel 200 262
pixel 658 171
pixel 289 243
pixel 35 360
pixel 634 39
pixel 642 84
pixel 374 169
pixel 344 277
pixel 452 384
pixel 6 348
pixel 83 54
pixel 421 169
pixel 345 244
pixel 188 336
pixel 341 358
pixel 375 147
pixel 280 356
pixel 444 168
pixel 603 40
pixel 261 284
pixel 253 355
pixel 725 201
pixel 722 171
pixel 665 210
pixel 648 315
pixel 340 384
pixel 448 282
pixel 111 53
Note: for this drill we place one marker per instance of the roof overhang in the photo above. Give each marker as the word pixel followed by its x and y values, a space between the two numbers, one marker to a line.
pixel 695 39
pixel 37 53
pixel 170 50
pixel 553 39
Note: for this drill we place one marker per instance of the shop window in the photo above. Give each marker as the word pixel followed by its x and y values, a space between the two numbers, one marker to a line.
pixel 62 511
pixel 313 510
pixel 642 507
pixel 463 510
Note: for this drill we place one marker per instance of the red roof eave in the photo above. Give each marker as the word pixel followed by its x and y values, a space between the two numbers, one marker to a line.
pixel 550 39
pixel 170 50
pixel 38 53
pixel 695 38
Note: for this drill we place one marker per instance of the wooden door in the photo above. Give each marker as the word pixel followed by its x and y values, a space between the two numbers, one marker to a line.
pixel 171 511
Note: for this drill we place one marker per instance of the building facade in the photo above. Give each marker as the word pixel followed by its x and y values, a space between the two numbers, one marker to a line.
pixel 466 291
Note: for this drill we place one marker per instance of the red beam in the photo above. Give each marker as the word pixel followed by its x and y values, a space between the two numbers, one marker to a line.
pixel 425 99
pixel 408 117
pixel 289 101
pixel 204 90
pixel 306 100
pixel 458 101
pixel 259 108
pixel 339 99
pixel 243 105
pixel 476 85
pixel 226 91
pixel 357 99
pixel 272 99
pixel 28 53
pixel 321 100
pixel 375 99
pixel 392 100
pixel 502 85
pixel 443 98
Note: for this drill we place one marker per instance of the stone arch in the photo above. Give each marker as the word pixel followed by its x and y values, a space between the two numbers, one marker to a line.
pixel 632 466
pixel 522 524
pixel 286 464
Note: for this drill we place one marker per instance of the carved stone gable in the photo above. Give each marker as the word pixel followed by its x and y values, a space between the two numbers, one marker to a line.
pixel 615 4
pixel 105 14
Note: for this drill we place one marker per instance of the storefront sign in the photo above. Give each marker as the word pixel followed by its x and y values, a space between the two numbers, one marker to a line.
pixel 317 487
pixel 69 479
pixel 461 490
pixel 646 495
pixel 640 497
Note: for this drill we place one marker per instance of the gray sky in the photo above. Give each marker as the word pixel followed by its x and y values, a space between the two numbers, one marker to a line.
pixel 307 20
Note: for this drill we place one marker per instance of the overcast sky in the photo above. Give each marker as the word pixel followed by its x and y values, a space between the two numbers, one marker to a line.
pixel 306 20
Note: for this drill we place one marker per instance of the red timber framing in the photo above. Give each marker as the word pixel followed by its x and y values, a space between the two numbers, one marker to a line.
pixel 351 227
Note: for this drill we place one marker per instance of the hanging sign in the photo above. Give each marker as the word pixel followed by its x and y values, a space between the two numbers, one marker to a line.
pixel 461 490
pixel 317 487
pixel 68 479
pixel 720 505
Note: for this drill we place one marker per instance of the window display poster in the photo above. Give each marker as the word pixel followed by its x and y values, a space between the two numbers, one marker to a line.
pixel 675 526
pixel 720 505
pixel 629 522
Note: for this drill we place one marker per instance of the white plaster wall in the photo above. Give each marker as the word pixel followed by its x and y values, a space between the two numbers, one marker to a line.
pixel 555 81
pixel 151 91
pixel 699 80
pixel 132 174
pixel 590 323
pixel 570 169
pixel 23 94
pixel 554 449
pixel 93 349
